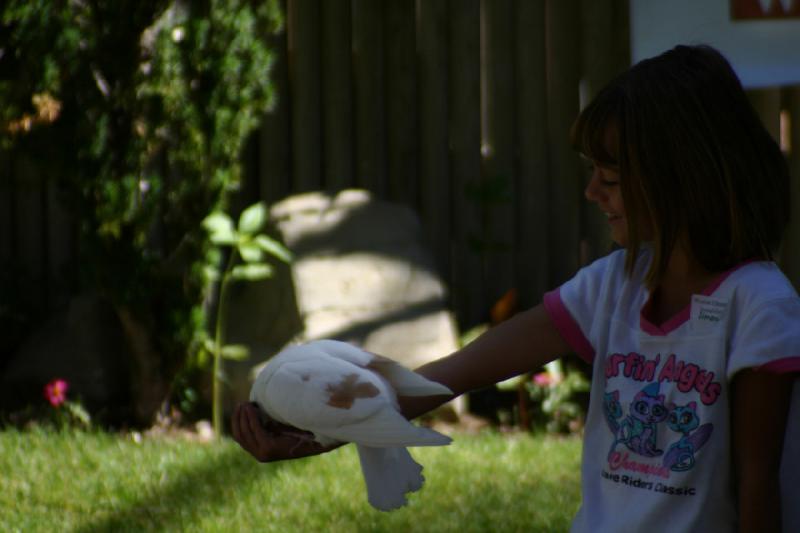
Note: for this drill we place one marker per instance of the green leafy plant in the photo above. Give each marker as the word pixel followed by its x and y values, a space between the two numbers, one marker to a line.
pixel 246 242
pixel 556 396
pixel 557 391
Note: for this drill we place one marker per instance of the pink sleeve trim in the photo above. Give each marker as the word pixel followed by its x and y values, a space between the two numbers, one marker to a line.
pixel 567 326
pixel 786 365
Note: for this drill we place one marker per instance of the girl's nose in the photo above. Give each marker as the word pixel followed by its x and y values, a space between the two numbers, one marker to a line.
pixel 592 190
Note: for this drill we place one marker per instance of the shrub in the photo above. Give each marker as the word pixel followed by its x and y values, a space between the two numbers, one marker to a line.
pixel 139 111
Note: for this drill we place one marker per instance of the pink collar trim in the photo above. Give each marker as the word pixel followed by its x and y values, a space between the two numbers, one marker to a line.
pixel 683 315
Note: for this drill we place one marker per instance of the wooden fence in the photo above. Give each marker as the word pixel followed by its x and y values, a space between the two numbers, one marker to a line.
pixel 459 109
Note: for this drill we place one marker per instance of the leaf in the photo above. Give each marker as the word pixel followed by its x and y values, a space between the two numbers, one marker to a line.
pixel 222 377
pixel 251 252
pixel 79 413
pixel 208 345
pixel 510 384
pixel 271 246
pixel 473 334
pixel 202 358
pixel 253 218
pixel 220 227
pixel 212 273
pixel 252 271
pixel 236 352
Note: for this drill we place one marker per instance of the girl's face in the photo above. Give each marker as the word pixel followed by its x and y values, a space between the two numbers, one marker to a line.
pixel 604 190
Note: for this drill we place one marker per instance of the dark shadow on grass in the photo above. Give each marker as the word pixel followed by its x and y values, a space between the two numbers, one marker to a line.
pixel 200 487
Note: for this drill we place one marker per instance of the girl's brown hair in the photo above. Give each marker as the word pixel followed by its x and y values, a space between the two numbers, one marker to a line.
pixel 695 161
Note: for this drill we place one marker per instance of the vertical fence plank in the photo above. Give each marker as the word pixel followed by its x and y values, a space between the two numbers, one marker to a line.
pixel 337 95
pixel 466 273
pixel 30 227
pixel 401 98
pixel 767 103
pixel 497 64
pixel 274 150
pixel 434 169
pixel 304 78
pixel 6 209
pixel 60 245
pixel 531 152
pixel 368 73
pixel 605 42
pixel 563 75
pixel 790 253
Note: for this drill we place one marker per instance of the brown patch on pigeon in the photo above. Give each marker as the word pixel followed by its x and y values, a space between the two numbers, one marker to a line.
pixel 344 393
pixel 378 359
pixel 379 364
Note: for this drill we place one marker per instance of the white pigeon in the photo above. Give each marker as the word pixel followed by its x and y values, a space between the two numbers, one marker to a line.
pixel 341 393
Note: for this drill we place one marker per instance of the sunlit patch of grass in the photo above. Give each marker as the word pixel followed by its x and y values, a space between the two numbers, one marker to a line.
pixel 64 481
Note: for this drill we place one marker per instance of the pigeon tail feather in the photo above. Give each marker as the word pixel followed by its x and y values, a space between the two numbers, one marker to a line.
pixel 389 474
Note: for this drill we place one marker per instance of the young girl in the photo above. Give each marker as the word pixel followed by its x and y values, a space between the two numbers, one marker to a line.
pixel 692 330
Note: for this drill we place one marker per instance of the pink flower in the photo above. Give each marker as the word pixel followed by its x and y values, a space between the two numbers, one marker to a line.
pixel 542 379
pixel 56 392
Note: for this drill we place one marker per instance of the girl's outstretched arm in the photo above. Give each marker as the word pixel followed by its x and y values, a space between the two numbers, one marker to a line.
pixel 521 344
pixel 758 413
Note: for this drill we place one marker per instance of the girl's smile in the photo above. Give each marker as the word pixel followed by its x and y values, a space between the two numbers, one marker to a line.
pixel 603 189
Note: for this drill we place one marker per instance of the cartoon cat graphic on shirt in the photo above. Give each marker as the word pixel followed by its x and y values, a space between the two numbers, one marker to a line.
pixel 684 420
pixel 638 431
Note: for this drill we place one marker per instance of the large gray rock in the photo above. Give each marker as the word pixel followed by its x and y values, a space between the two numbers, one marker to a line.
pixel 360 274
pixel 363 275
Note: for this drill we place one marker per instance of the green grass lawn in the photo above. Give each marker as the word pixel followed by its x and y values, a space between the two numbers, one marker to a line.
pixel 89 482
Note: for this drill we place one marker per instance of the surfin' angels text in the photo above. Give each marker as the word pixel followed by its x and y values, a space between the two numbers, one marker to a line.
pixel 685 376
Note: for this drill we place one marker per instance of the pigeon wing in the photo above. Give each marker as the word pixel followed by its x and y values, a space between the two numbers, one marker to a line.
pixel 384 428
pixel 341 350
pixel 404 381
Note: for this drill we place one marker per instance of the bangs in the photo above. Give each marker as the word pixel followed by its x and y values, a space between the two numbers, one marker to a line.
pixel 595 133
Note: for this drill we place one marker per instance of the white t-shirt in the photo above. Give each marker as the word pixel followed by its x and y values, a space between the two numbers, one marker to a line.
pixel 657 446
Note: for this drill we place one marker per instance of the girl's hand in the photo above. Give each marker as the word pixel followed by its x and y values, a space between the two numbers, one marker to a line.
pixel 268 440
